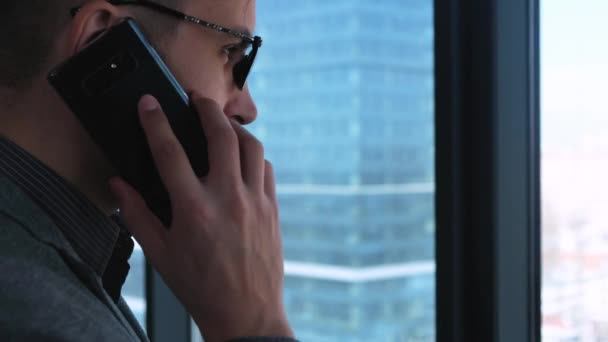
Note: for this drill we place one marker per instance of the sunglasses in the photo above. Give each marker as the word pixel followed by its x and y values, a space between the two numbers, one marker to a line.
pixel 248 48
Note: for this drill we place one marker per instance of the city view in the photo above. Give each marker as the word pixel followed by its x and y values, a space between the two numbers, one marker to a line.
pixel 574 68
pixel 345 93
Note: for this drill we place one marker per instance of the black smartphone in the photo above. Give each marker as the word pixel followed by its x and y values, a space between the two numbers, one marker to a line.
pixel 103 84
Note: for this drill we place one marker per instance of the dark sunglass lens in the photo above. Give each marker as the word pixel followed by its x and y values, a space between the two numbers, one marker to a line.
pixel 240 72
pixel 242 68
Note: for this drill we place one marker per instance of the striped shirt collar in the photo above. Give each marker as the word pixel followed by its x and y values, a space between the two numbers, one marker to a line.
pixel 100 241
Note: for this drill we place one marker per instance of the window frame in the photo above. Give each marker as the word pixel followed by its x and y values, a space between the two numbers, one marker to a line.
pixel 166 318
pixel 487 170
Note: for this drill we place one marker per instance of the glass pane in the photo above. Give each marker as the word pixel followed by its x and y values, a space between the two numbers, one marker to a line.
pixel 345 92
pixel 575 169
pixel 134 289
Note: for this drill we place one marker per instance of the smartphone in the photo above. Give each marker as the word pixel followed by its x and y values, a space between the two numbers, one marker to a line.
pixel 103 84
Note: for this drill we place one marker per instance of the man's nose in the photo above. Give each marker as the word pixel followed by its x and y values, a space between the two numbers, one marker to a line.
pixel 242 107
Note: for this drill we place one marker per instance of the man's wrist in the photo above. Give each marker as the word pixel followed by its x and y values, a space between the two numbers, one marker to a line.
pixel 264 339
pixel 236 329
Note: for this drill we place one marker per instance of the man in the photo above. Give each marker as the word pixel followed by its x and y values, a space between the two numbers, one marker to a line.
pixel 63 261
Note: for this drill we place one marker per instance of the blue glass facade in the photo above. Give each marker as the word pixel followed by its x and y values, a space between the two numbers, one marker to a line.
pixel 345 94
pixel 133 290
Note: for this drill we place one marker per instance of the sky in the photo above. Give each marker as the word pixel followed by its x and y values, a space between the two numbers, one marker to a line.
pixel 574 72
pixel 574 118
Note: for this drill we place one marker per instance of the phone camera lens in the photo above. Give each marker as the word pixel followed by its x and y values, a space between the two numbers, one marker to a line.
pixel 109 74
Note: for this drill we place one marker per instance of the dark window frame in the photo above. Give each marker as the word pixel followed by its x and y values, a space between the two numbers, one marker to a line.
pixel 487 170
pixel 166 318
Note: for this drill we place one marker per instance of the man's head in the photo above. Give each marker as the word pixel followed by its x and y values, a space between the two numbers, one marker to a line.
pixel 29 30
pixel 39 34
pixel 32 31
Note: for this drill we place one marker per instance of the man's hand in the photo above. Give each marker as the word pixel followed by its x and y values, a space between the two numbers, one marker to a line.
pixel 222 256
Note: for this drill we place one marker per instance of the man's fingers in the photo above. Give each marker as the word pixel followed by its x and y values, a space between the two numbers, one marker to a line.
pixel 222 141
pixel 252 157
pixel 169 156
pixel 141 222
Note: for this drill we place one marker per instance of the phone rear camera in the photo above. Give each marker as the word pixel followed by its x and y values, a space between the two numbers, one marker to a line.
pixel 110 73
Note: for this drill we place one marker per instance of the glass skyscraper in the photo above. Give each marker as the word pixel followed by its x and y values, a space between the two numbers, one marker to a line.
pixel 345 94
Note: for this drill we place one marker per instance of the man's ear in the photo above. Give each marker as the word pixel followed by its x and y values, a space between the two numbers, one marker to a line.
pixel 90 21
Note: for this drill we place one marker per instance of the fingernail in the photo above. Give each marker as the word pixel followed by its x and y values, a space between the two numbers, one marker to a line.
pixel 148 103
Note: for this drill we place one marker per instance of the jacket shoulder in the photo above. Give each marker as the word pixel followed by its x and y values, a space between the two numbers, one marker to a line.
pixel 42 298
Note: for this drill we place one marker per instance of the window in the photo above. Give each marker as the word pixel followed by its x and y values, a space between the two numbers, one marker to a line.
pixel 575 169
pixel 366 226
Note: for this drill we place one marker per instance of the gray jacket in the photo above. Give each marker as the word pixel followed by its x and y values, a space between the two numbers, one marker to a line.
pixel 46 292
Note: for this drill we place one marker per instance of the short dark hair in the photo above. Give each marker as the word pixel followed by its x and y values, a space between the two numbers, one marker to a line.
pixel 29 28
